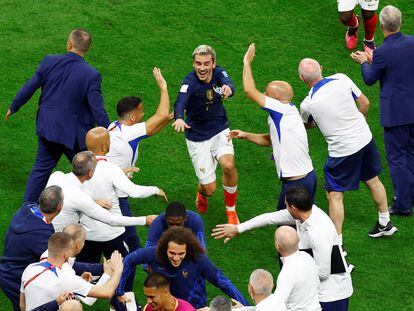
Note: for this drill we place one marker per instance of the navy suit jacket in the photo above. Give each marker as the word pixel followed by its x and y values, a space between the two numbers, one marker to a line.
pixel 71 102
pixel 393 66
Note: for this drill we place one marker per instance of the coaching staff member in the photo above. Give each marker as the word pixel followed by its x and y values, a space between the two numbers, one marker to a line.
pixel 70 104
pixel 393 65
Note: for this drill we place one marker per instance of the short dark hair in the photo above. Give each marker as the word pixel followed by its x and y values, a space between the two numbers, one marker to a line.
pixel 58 243
pixel 220 303
pixel 157 280
pixel 81 39
pixel 175 209
pixel 83 162
pixel 299 197
pixel 180 236
pixel 50 199
pixel 126 105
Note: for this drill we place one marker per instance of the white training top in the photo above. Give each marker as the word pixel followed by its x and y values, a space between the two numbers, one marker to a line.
pixel 47 286
pixel 77 202
pixel 124 145
pixel 331 104
pixel 298 282
pixel 289 139
pixel 270 303
pixel 319 234
pixel 107 179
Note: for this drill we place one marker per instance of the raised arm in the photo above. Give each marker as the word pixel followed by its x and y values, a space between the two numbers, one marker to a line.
pixel 162 116
pixel 248 82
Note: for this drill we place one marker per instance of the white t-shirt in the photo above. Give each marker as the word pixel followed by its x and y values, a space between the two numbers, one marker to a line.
pixel 271 303
pixel 298 282
pixel 289 139
pixel 104 184
pixel 331 104
pixel 47 286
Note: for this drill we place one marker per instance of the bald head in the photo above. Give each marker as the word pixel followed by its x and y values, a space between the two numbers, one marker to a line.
pixel 76 231
pixel 280 90
pixel 286 240
pixel 98 140
pixel 310 71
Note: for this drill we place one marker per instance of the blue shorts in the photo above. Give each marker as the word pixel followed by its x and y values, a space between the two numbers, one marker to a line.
pixel 345 173
pixel 338 305
pixel 308 182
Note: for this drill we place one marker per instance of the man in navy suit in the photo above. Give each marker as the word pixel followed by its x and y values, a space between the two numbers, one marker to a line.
pixel 70 104
pixel 393 65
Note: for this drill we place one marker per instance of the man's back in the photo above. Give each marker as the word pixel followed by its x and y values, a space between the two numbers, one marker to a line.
pixel 331 105
pixel 71 101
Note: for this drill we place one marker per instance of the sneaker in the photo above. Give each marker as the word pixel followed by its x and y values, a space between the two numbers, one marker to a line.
pixel 369 46
pixel 232 217
pixel 201 203
pixel 351 37
pixel 379 231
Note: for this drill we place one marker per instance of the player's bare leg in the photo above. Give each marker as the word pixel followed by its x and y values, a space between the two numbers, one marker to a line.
pixel 370 25
pixel 230 180
pixel 203 192
pixel 336 209
pixel 351 20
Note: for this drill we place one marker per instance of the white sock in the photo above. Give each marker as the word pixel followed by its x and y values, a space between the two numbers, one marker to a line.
pixel 230 189
pixel 383 218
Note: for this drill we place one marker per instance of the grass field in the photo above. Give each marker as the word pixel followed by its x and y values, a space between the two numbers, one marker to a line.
pixel 129 39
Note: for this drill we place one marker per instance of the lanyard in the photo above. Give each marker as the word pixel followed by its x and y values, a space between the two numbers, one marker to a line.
pixel 47 265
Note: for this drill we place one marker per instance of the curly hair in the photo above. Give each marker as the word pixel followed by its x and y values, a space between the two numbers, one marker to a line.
pixel 180 236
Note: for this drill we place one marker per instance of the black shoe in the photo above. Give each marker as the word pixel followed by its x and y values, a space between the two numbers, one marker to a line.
pixel 394 211
pixel 379 231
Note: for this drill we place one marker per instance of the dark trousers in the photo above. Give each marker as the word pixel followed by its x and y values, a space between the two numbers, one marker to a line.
pixel 93 250
pixel 12 292
pixel 339 305
pixel 48 156
pixel 131 236
pixel 399 147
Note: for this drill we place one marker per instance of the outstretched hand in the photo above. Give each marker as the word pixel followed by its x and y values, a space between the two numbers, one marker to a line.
pixel 8 114
pixel 238 134
pixel 162 84
pixel 226 231
pixel 180 125
pixel 249 56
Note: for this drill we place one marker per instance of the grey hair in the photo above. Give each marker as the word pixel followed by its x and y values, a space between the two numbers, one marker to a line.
pixel 50 199
pixel 83 162
pixel 76 231
pixel 220 303
pixel 262 282
pixel 309 70
pixel 390 18
pixel 204 50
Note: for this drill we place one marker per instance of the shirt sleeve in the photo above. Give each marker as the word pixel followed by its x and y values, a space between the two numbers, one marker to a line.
pixel 182 99
pixel 216 277
pixel 95 101
pixel 273 105
pixel 102 281
pixel 322 250
pixel 371 73
pixel 356 92
pixel 135 131
pixel 304 113
pixel 275 218
pixel 155 230
pixel 75 284
pixel 95 269
pixel 225 79
pixel 27 91
pixel 88 207
pixel 123 183
pixel 130 262
pixel 198 228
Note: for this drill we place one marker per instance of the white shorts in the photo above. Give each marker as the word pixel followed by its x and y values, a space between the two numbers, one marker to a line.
pixel 205 155
pixel 349 5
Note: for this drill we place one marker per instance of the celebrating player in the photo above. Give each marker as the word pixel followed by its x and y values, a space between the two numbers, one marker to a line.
pixel 348 18
pixel 206 128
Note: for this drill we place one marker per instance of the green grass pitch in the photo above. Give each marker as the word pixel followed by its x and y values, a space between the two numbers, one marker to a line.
pixel 129 39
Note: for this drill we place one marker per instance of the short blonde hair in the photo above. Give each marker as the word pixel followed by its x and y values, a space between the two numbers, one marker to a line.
pixel 204 50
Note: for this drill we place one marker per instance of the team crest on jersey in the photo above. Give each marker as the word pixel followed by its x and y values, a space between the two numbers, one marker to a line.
pixel 185 273
pixel 209 95
pixel 202 170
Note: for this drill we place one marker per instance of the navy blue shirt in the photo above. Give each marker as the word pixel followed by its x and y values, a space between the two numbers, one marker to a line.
pixel 159 225
pixel 203 105
pixel 187 281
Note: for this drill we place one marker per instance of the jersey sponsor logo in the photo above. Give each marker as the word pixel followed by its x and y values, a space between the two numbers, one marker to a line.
pixel 184 88
pixel 225 74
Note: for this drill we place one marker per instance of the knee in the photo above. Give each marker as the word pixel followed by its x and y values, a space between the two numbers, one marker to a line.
pixel 346 17
pixel 366 15
pixel 335 196
pixel 209 190
pixel 228 166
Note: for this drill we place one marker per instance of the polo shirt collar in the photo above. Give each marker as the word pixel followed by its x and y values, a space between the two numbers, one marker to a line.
pixel 290 257
pixel 74 55
pixel 74 180
pixel 393 36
